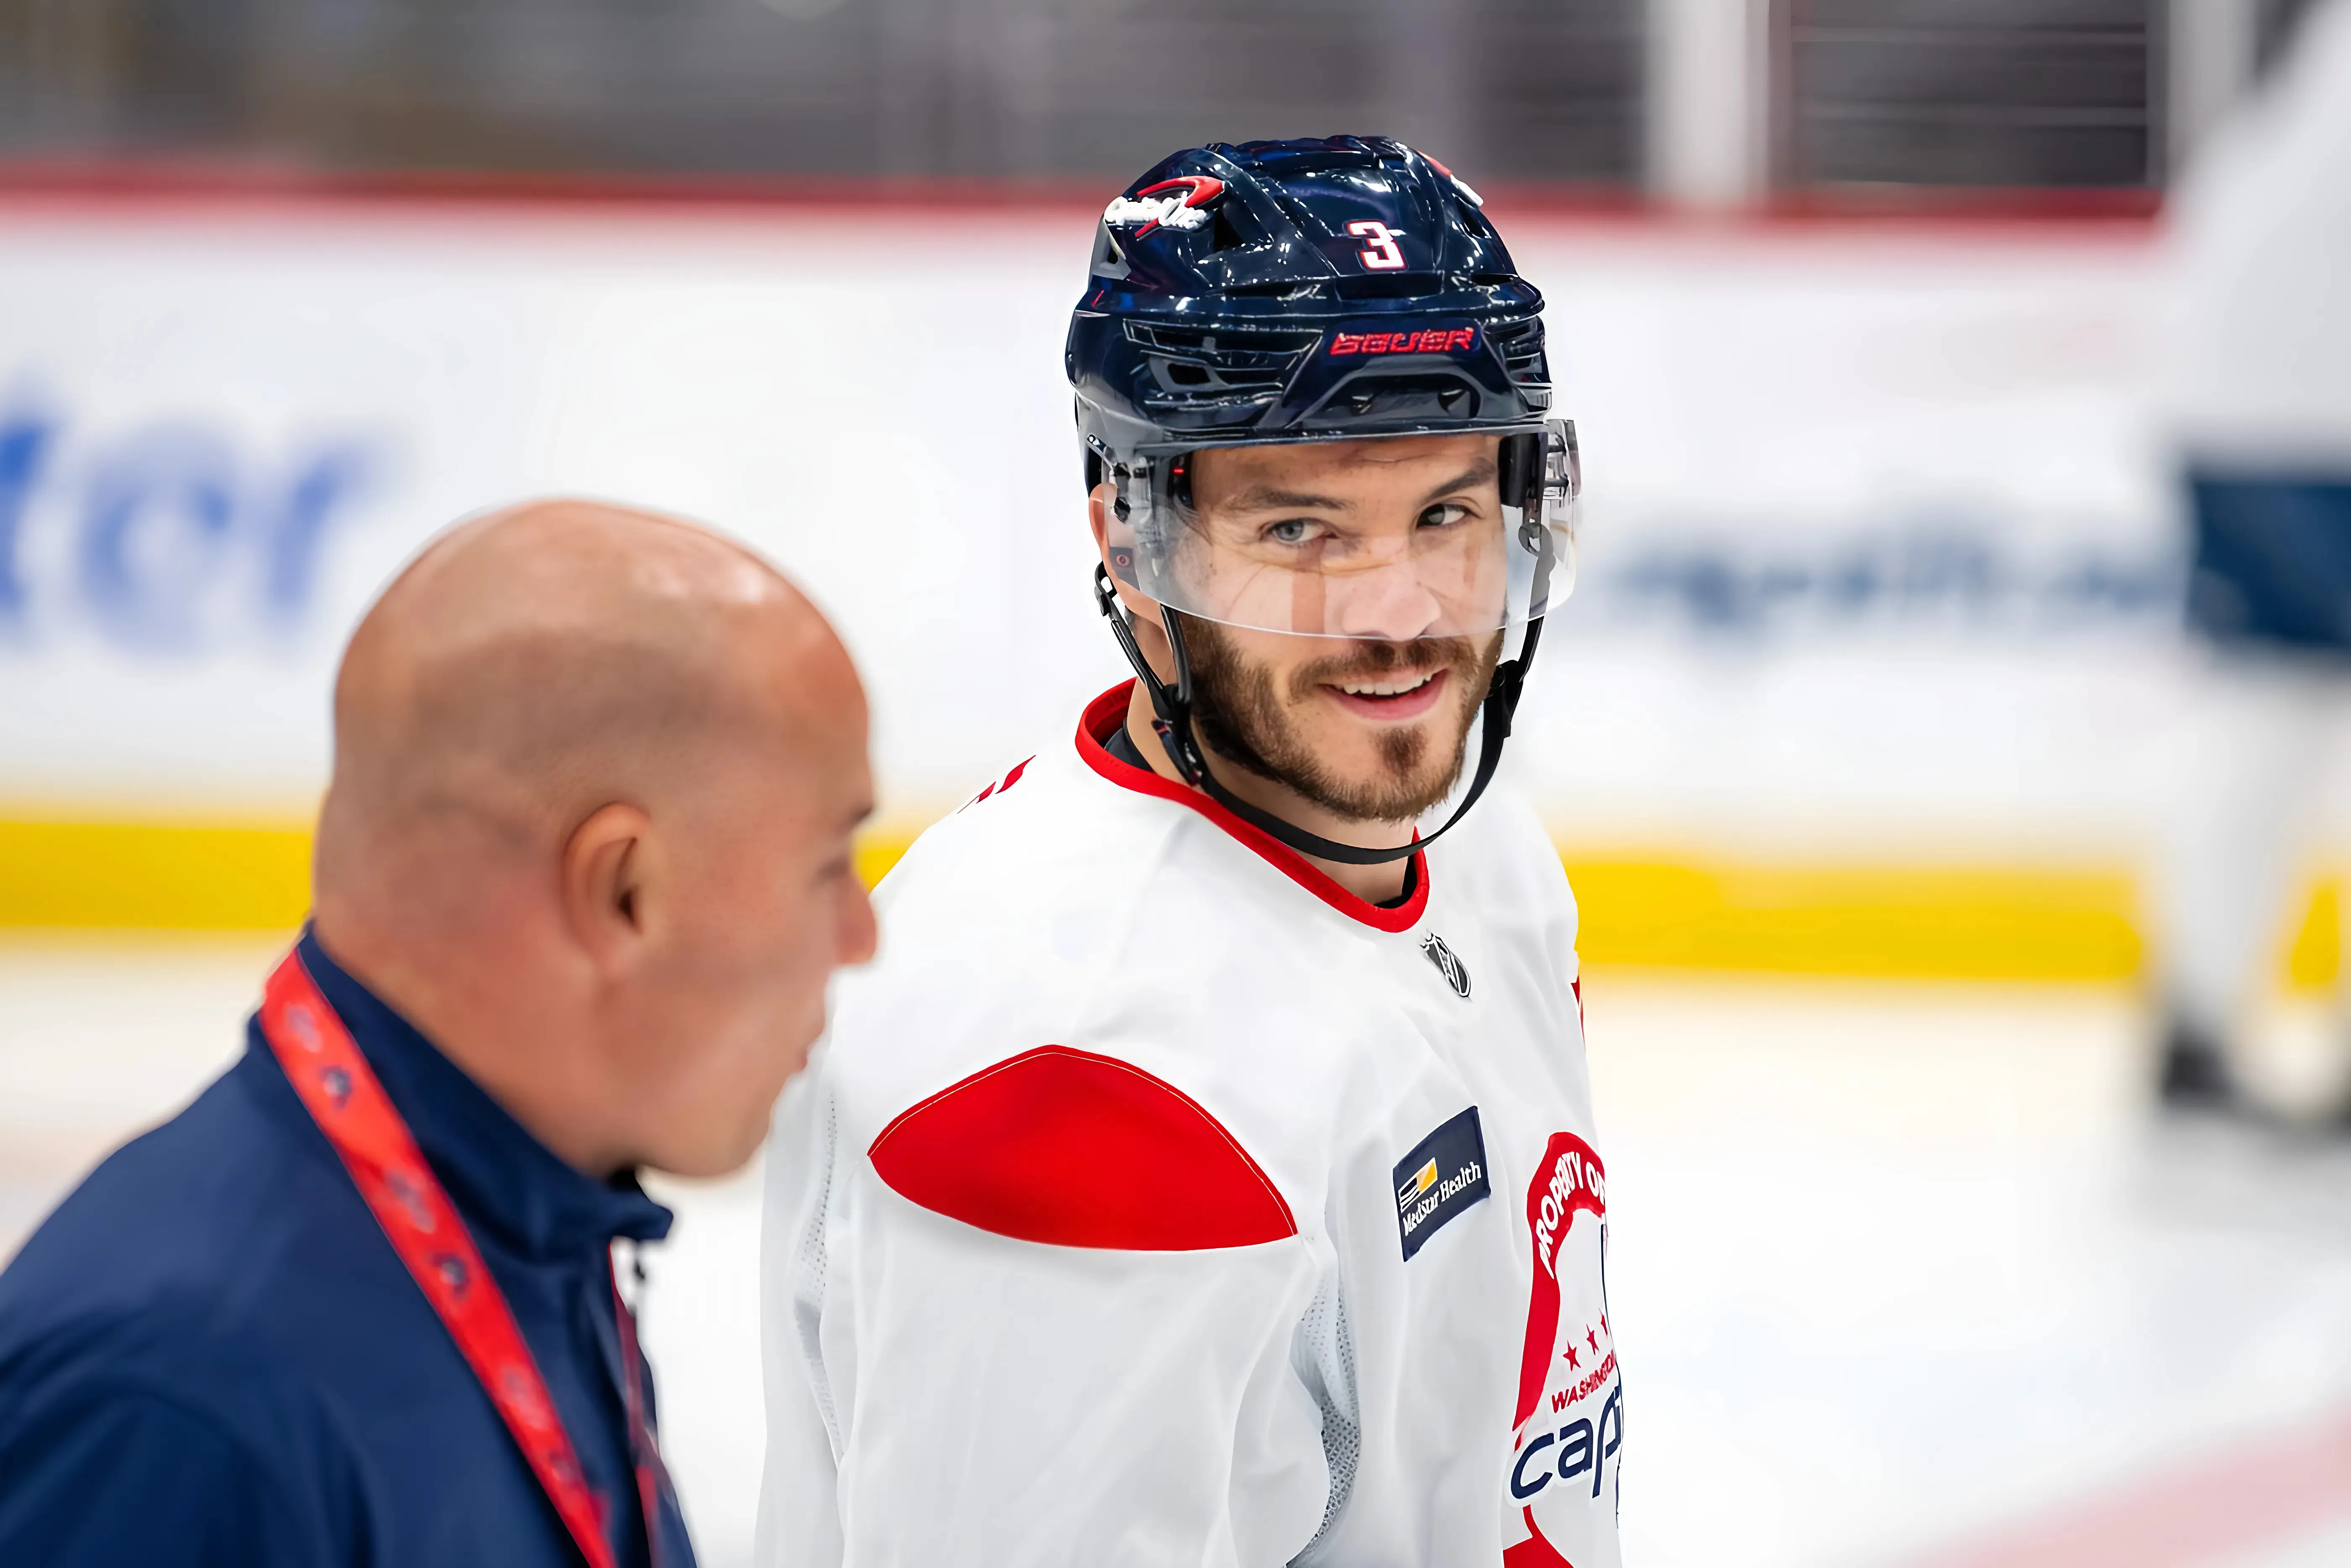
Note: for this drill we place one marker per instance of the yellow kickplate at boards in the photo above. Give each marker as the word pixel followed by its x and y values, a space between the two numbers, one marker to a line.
pixel 1661 911
pixel 1890 922
pixel 154 876
pixel 2315 958
pixel 1932 923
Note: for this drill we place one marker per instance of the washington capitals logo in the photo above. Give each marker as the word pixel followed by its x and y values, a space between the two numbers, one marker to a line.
pixel 1175 204
pixel 1456 974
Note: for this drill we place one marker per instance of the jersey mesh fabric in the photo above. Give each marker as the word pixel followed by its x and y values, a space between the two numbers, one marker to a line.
pixel 807 1303
pixel 1328 1351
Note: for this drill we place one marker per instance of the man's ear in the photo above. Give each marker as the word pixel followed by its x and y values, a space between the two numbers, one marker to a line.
pixel 1141 606
pixel 610 868
pixel 1097 505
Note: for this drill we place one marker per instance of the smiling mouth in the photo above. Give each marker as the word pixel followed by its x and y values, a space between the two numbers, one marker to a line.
pixel 1404 695
pixel 1396 688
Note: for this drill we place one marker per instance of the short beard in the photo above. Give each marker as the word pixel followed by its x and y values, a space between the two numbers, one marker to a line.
pixel 1239 717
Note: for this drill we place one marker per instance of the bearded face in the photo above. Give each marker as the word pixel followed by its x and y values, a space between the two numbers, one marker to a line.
pixel 1373 732
pixel 1337 597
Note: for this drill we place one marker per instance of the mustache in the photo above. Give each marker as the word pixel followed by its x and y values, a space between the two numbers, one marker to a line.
pixel 1377 660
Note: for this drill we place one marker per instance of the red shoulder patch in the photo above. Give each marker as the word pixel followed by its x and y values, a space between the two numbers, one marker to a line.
pixel 1080 1151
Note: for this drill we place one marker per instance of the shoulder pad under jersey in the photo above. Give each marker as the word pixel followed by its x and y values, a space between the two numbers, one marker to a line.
pixel 1076 1150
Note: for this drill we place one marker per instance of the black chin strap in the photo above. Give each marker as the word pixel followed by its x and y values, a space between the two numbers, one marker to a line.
pixel 1171 710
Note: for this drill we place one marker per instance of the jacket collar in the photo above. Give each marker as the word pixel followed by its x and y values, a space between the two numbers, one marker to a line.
pixel 505 1182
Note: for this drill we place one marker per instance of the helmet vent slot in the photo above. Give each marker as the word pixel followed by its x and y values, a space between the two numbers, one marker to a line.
pixel 1393 285
pixel 1222 343
pixel 1110 256
pixel 1521 344
pixel 1192 366
pixel 1440 398
pixel 1292 291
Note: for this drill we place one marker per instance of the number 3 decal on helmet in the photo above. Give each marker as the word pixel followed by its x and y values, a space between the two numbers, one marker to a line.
pixel 1381 255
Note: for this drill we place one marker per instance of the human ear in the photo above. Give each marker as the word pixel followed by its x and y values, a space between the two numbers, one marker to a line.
pixel 1141 608
pixel 1098 502
pixel 609 865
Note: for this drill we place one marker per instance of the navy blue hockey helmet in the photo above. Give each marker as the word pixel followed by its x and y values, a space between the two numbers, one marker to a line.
pixel 1306 291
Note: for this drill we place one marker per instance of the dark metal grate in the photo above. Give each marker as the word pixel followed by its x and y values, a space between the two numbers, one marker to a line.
pixel 1502 90
pixel 1987 93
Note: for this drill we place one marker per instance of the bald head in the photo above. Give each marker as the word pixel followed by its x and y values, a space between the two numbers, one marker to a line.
pixel 539 662
pixel 595 774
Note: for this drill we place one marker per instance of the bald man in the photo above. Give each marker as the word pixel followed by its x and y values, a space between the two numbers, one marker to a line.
pixel 583 871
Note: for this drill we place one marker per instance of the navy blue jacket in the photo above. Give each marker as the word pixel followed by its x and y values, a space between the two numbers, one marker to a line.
pixel 210 1354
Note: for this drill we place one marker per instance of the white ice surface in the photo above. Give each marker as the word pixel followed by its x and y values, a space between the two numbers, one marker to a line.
pixel 1892 1266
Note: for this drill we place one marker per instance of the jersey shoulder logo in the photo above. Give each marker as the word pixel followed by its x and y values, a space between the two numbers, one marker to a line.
pixel 1456 973
pixel 1076 1150
pixel 1443 1175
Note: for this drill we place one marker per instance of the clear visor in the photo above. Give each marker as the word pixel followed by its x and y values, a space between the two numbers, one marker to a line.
pixel 1443 542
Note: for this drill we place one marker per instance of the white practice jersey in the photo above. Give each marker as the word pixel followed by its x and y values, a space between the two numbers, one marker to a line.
pixel 1154 1200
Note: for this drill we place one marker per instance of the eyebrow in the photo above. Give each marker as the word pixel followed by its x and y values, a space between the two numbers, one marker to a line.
pixel 1482 472
pixel 1266 498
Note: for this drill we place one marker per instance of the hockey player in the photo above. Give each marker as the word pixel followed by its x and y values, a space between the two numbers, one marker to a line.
pixel 1206 1174
pixel 2260 408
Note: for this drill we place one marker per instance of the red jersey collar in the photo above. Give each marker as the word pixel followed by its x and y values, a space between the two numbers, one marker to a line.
pixel 1108 711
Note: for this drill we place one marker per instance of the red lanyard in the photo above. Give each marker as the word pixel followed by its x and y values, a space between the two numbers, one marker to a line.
pixel 342 1095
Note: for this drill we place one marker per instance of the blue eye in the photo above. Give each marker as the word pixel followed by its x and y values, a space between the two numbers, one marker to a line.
pixel 1443 514
pixel 1290 531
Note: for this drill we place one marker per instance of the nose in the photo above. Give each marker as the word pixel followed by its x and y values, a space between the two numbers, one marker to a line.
pixel 858 934
pixel 1386 603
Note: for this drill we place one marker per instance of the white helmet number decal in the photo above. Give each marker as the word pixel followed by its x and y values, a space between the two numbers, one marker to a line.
pixel 1381 255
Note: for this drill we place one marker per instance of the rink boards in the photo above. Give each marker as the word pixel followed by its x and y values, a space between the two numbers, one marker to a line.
pixel 1871 667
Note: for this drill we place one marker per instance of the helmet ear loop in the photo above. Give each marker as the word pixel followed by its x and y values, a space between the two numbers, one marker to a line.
pixel 1171 706
pixel 1174 722
pixel 1552 510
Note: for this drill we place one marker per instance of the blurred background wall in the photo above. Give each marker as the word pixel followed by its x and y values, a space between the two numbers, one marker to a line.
pixel 995 90
pixel 1608 96
pixel 1857 301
